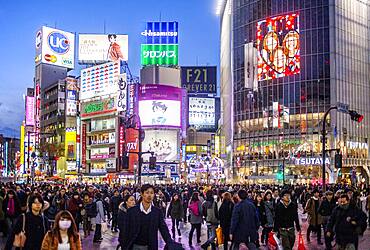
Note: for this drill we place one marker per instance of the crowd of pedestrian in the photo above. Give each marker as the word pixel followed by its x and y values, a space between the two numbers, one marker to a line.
pixel 51 216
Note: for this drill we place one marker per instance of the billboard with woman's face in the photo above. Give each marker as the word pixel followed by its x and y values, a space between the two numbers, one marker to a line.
pixel 278 47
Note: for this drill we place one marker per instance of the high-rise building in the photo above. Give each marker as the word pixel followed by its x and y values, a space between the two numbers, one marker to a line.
pixel 284 64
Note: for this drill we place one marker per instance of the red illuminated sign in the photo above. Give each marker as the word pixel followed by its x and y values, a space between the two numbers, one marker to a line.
pixel 278 47
pixel 83 147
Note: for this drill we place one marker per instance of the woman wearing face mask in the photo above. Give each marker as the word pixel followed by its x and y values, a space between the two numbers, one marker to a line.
pixel 35 225
pixel 64 235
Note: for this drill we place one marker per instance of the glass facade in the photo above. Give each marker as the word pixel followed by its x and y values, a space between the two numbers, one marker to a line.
pixel 279 116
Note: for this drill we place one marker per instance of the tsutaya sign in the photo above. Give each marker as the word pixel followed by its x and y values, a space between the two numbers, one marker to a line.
pixel 310 161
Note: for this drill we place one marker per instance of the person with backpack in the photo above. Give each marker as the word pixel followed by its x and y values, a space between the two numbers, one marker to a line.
pixel 176 212
pixel 99 218
pixel 33 223
pixel 347 222
pixel 210 213
pixel 195 211
pixel 225 213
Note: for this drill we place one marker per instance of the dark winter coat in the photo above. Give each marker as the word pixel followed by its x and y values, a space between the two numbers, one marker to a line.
pixel 225 213
pixel 261 213
pixel 176 210
pixel 73 207
pixel 270 214
pixel 17 208
pixel 341 220
pixel 35 226
pixel 327 207
pixel 244 222
pixel 286 216
pixel 314 217
pixel 114 203
pixel 134 215
pixel 121 221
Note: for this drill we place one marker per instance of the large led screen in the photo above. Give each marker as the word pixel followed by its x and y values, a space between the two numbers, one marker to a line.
pixel 202 112
pixel 278 47
pixel 163 143
pixel 160 113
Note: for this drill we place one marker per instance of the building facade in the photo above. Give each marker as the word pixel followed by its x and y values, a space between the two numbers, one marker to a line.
pixel 289 61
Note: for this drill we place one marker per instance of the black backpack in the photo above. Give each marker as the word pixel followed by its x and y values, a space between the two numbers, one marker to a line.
pixel 91 209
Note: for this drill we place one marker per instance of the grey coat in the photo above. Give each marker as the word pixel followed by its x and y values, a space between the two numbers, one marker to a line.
pixel 100 217
pixel 196 219
pixel 270 213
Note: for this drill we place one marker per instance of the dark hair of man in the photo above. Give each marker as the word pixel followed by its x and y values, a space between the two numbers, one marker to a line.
pixel 32 198
pixel 242 194
pixel 145 187
pixel 345 196
pixel 112 35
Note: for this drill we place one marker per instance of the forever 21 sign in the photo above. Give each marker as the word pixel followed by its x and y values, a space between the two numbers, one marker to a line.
pixel 122 93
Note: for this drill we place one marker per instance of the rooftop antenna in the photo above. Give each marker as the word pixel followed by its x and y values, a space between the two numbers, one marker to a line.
pixel 104 27
pixel 197 61
pixel 160 16
pixel 55 24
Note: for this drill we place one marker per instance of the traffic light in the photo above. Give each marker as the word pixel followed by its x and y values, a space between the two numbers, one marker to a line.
pixel 152 162
pixel 355 116
pixel 338 161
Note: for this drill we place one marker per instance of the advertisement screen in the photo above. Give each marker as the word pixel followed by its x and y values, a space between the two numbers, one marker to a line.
pixel 99 80
pixel 70 145
pixel 30 111
pixel 95 48
pixel 55 47
pixel 165 113
pixel 278 47
pixel 159 54
pixel 163 143
pixel 201 80
pixel 202 112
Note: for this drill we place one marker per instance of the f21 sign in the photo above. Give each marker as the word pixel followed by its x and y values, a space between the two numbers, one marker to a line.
pixel 199 80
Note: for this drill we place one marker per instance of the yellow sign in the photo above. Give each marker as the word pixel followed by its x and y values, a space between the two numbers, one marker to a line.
pixel 70 145
pixel 191 148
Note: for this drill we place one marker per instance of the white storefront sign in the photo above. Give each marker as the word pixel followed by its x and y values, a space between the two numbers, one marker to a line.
pixel 311 161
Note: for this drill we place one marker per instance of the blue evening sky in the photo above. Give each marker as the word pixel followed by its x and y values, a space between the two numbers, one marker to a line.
pixel 20 19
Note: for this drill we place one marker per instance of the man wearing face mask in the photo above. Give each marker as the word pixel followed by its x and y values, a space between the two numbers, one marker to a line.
pixel 347 222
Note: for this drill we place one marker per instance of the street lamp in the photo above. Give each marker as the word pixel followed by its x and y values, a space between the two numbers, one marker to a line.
pixel 341 108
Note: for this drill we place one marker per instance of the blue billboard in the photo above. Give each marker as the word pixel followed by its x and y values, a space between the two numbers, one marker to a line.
pixel 161 33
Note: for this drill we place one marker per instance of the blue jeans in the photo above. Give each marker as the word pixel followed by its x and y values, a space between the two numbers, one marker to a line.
pixel 211 234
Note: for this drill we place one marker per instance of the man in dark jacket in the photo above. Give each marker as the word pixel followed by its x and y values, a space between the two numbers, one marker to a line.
pixel 244 222
pixel 114 207
pixel 326 208
pixel 347 222
pixel 286 214
pixel 143 223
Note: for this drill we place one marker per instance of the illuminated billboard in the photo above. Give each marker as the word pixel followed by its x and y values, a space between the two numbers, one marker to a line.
pixel 159 54
pixel 55 47
pixel 161 33
pixel 70 144
pixel 166 113
pixel 160 105
pixel 99 80
pixel 199 79
pixel 278 47
pixel 30 111
pixel 96 48
pixel 202 112
pixel 163 143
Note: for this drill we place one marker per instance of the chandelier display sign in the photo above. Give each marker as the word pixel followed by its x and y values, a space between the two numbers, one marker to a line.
pixel 278 47
pixel 99 80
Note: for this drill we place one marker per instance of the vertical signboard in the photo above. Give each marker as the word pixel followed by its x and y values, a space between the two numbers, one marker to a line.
pixel 121 140
pixel 30 111
pixel 83 146
pixel 122 93
pixel 21 159
pixel 132 147
pixel 275 115
pixel 250 67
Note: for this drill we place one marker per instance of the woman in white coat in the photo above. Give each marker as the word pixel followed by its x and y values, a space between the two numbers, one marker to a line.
pixel 99 219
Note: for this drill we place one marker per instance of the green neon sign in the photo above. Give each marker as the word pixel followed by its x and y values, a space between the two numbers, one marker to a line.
pixel 159 54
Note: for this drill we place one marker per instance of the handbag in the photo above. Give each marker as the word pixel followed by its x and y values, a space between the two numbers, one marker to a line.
pixel 301 242
pixel 20 238
pixel 104 227
pixel 220 236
